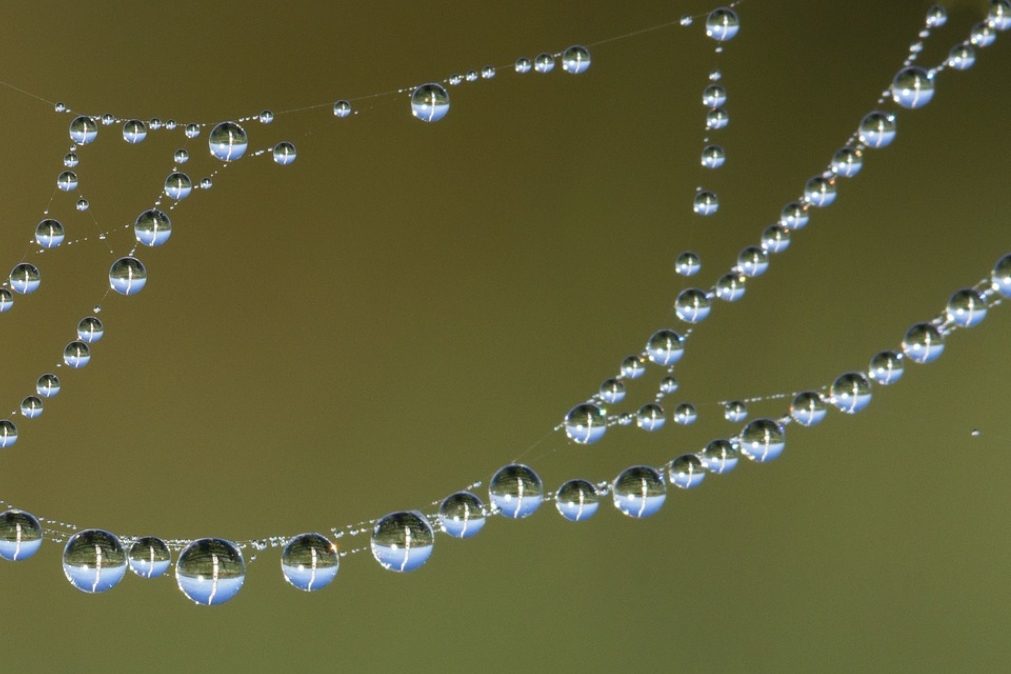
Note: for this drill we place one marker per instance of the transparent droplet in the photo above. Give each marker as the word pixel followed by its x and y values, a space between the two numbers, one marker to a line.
pixel 730 287
pixel 20 535
pixel 585 424
pixel 516 490
pixel 808 409
pixel 83 130
pixel 923 343
pixel 851 393
pixel 206 184
pixel 686 472
pixel 70 160
pixel 576 60
pixel 76 354
pixel 155 124
pixel 48 385
pixel 471 76
pixel 650 417
pixel 719 457
pixel 688 263
pixel 714 96
pixel 794 216
pixel 181 156
pixel 1001 276
pixel 455 80
pixel 170 124
pixel 912 87
pixel 402 541
pixel 612 391
pixel 982 35
pixel 192 130
pixel 6 300
pixel 705 203
pixel 753 261
pixel 999 16
pixel 632 367
pixel 685 414
pixel 775 238
pixel 763 440
pixel 152 227
pixel 962 56
pixel 284 153
pixel 309 562
pixel 665 347
pixel 149 557
pixel 686 21
pixel 488 73
pixel 430 102
pixel 66 181
pixel 227 141
pixel 966 308
pixel 692 305
pixel 60 107
pixel 722 24
pixel 266 117
pixel 342 109
pixel 937 16
pixel 877 129
pixel 8 433
pixel 90 329
pixel 134 131
pixel 819 192
pixel 127 276
pixel 82 204
pixel 668 385
pixel 639 492
pixel 544 63
pixel 49 233
pixel 25 278
pixel 885 368
pixel 577 500
pixel 717 119
pixel 178 186
pixel 94 561
pixel 523 65
pixel 210 571
pixel 847 162
pixel 735 411
pixel 462 514
pixel 713 156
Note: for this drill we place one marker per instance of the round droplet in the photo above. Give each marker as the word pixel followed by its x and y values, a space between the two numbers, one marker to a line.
pixel 794 216
pixel 266 117
pixel 149 557
pixel 982 35
pixel 544 63
pixel 847 162
pixel 284 153
pixel 134 131
pixel 962 56
pixel 685 414
pixel 455 80
pixel 1001 276
pixel 192 130
pixel 912 87
pixel 851 393
pixel 808 409
pixel 585 424
pixel 430 102
pixel 650 417
pixel 775 239
pixel 686 472
pixel 668 385
pixel 309 562
pixel 402 541
pixel 753 261
pixel 210 571
pixel 713 156
pixel 877 129
pixel 20 535
pixel 937 16
pixel 923 343
pixel 206 184
pixel 523 66
pixel 612 391
pixel 763 440
pixel 688 264
pixel 70 160
pixel 127 276
pixel 178 186
pixel 735 411
pixel 76 354
pixel 885 368
pixel 181 156
pixel 155 124
pixel 717 119
pixel 966 308
pixel 714 96
pixel 516 491
pixel 999 16
pixel 471 76
pixel 692 305
pixel 227 141
pixel 488 72
pixel 820 192
pixel 705 203
pixel 342 109
pixel 639 492
pixel 577 500
pixel 632 367
pixel 152 227
pixel 8 433
pixel 462 514
pixel 90 329
pixel 60 107
pixel 730 287
pixel 83 130
pixel 576 60
pixel 665 347
pixel 719 457
pixel 49 233
pixel 48 385
pixel 6 300
pixel 25 278
pixel 82 204
pixel 722 24
pixel 66 181
pixel 94 561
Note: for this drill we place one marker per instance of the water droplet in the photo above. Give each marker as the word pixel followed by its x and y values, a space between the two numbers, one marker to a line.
pixel 471 76
pixel 76 354
pixel 6 300
pixel 668 385
pixel 152 227
pixel 686 21
pixel 937 16
pixel 851 392
pixel 714 96
pixel 847 162
pixel 48 385
pixel 544 63
pixel 753 261
pixel 210 571
pixel 192 130
pixel 705 203
pixel 639 492
pixel 66 181
pixel 808 409
pixel 913 87
pixel 82 204
pixel 127 276
pixel 516 490
pixel 310 562
pixel 735 411
pixel 665 347
pixel 266 117
pixel 90 329
pixel 149 557
pixel 632 367
pixel 612 391
pixel 819 192
pixel 923 343
pixel 70 160
pixel 585 424
pixel 134 131
pixel 717 119
pixel 885 368
pixel 982 35
pixel 877 129
pixel 962 56
pixel 794 216
pixel 713 156
pixel 60 107
pixel 577 500
pixel 722 24
pixel 181 156
pixel 685 414
pixel 94 561
pixel 1001 276
pixel 227 141
pixel 999 16
pixel 20 535
pixel 775 239
pixel 8 433
pixel 402 541
pixel 966 308
pixel 523 65
pixel 650 417
pixel 719 457
pixel 686 472
pixel 488 73
pixel 730 287
pixel 462 514
pixel 25 278
pixel 692 305
pixel 83 130
pixel 49 233
pixel 284 153
pixel 206 184
pixel 178 186
pixel 763 440
pixel 430 102
pixel 576 60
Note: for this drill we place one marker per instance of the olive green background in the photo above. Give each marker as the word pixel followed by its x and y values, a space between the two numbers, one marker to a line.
pixel 409 306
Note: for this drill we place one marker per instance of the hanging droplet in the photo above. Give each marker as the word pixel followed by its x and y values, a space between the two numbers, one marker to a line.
pixel 402 541
pixel 210 571
pixel 719 457
pixel 149 557
pixel 982 35
pixel 154 123
pixel 962 56
pixel 516 490
pixel 847 162
pixel 471 76
pixel 885 368
pixel 90 329
pixel 632 367
pixel 544 63
pixel 966 308
pixel 730 287
pixel 227 141
pixel 685 414
pixel 60 107
pixel 775 239
pixel 688 264
pixel 430 102
pixel 178 186
pixel 576 60
pixel 20 535
pixel 206 184
pixel 668 385
pixel 48 385
pixel 49 233
pixel 717 119
pixel 585 424
pixel 714 96
pixel 6 300
pixel 612 391
pixel 462 514
pixel 577 500
pixel 763 440
pixel 309 562
pixel 753 261
pixel 808 409
pixel 66 181
pixel 70 160
pixel 705 203
pixel 488 73
pixel 722 24
pixel 735 411
pixel 181 156
pixel 1000 277
pixel 284 153
pixel 665 347
pixel 686 472
pixel 266 117
pixel 342 109
pixel 94 561
pixel 937 16
pixel 999 16
pixel 877 129
pixel 794 216
pixel 650 417
pixel 192 130
pixel 851 393
pixel 134 131
pixel 923 343
pixel 127 276
pixel 713 156
pixel 819 192
pixel 8 433
pixel 913 87
pixel 639 492
pixel 25 278
pixel 523 65
pixel 82 204
pixel 76 355
pixel 692 305
pixel 83 130
pixel 152 227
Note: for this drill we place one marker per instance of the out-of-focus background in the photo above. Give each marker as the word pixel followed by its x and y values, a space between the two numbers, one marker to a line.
pixel 407 307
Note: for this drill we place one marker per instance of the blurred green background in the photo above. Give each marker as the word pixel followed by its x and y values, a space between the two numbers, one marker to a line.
pixel 409 306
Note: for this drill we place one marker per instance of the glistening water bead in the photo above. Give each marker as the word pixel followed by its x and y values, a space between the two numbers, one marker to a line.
pixel 705 203
pixel 877 129
pixel 430 102
pixel 178 186
pixel 722 24
pixel 83 130
pixel 686 472
pixel 48 385
pixel 309 562
pixel 90 329
pixel 8 433
pixel 20 535
pixel 341 109
pixel 719 457
pixel 127 276
pixel 885 368
pixel 134 131
pixel 585 424
pixel 516 491
pixel 851 392
pixel 25 278
pixel 763 440
pixel 577 500
pixel 665 347
pixel 913 87
pixel 94 561
pixel 923 343
pixel 462 514
pixel 76 355
pixel 227 141
pixel 688 263
pixel 612 391
pixel 6 300
pixel 966 308
pixel 692 305
pixel 284 153
pixel 149 557
pixel 49 233
pixel 210 571
pixel 639 492
pixel 576 60
pixel 152 227
pixel 402 541
pixel 808 408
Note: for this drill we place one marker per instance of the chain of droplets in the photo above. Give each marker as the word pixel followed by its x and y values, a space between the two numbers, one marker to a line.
pixel 212 570
pixel 912 87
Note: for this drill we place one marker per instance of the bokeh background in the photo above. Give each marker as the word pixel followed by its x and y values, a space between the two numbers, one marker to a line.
pixel 409 306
